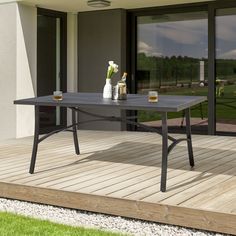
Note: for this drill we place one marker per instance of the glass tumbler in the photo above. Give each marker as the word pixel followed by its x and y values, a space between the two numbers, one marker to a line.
pixel 57 95
pixel 153 96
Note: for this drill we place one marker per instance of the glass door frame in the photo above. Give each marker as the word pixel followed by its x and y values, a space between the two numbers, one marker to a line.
pixel 210 8
pixel 63 59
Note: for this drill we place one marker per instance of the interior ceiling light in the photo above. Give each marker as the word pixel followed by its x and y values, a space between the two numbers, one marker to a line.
pixel 99 3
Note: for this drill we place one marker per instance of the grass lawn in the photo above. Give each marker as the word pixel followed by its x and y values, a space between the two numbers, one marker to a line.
pixel 16 225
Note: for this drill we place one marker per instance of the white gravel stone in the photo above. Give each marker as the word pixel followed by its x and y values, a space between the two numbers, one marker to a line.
pixel 94 220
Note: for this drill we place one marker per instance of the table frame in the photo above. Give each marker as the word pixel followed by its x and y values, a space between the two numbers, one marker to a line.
pixel 166 148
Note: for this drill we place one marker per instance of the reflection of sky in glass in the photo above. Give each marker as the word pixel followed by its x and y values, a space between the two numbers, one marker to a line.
pixel 226 37
pixel 175 38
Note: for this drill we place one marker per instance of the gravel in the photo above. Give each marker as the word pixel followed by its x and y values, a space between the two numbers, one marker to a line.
pixel 94 220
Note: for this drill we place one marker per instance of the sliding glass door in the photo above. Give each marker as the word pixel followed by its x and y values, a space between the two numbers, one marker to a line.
pixel 172 58
pixel 226 70
pixel 51 65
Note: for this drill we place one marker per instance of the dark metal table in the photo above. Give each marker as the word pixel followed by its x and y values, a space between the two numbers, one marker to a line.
pixel 79 102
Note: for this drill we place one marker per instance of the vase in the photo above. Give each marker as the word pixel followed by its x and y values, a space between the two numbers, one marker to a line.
pixel 107 90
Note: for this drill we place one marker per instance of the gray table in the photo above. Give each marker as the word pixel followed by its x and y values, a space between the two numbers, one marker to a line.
pixel 79 102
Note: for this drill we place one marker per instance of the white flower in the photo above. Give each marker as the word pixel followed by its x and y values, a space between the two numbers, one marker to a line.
pixel 112 68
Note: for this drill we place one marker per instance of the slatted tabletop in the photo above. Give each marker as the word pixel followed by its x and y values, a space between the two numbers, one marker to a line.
pixel 166 103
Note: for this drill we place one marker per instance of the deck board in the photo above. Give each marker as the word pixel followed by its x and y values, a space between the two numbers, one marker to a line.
pixel 119 173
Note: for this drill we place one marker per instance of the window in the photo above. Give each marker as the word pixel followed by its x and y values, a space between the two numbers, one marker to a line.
pixel 172 58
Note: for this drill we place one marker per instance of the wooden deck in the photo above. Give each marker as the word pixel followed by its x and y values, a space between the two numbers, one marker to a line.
pixel 119 173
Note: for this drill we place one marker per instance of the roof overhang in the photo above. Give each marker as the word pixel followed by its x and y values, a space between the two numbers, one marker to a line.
pixel 81 5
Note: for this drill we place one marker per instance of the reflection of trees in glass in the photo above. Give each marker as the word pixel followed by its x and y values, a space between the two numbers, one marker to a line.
pixel 168 71
pixel 173 71
pixel 226 69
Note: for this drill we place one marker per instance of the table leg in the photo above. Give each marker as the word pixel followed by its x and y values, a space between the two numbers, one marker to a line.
pixel 76 143
pixel 123 115
pixel 36 140
pixel 189 138
pixel 164 151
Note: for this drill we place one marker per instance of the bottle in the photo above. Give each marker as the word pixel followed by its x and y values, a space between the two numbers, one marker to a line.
pixel 124 77
pixel 122 88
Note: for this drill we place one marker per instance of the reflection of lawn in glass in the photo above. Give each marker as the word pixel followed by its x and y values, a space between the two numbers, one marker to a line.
pixel 226 105
pixel 225 108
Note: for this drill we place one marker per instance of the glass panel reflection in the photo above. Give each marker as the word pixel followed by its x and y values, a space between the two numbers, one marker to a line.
pixel 226 70
pixel 172 58
pixel 49 68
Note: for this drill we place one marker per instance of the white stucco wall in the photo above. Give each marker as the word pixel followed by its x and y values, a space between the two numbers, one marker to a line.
pixel 17 68
pixel 72 52
pixel 72 62
pixel 7 70
pixel 26 19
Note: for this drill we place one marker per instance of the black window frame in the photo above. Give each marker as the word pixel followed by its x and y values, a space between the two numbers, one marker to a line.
pixel 63 62
pixel 210 7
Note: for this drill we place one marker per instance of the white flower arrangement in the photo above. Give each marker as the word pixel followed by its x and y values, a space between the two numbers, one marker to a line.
pixel 112 69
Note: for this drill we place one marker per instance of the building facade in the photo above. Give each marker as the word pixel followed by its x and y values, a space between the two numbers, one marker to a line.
pixel 185 49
